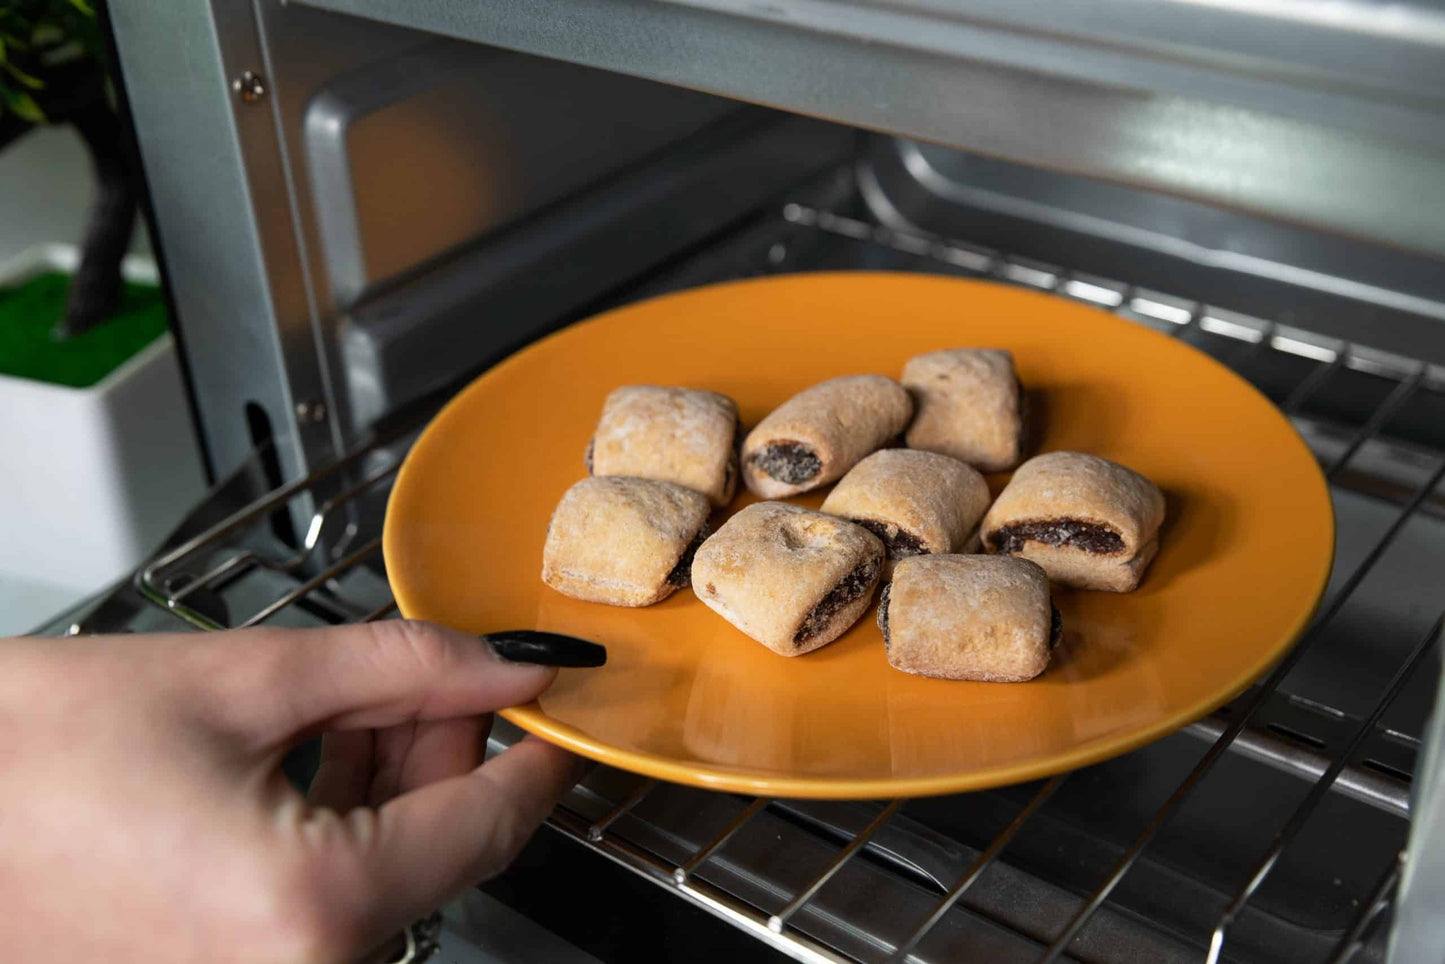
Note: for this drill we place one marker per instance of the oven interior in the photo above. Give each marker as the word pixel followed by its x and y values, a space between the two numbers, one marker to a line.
pixel 418 207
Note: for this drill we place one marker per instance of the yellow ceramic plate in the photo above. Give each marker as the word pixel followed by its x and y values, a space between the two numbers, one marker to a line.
pixel 1244 556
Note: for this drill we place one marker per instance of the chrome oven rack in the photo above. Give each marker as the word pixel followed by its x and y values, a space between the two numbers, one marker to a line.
pixel 684 846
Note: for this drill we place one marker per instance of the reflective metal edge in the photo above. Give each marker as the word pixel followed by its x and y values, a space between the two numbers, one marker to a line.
pixel 1237 129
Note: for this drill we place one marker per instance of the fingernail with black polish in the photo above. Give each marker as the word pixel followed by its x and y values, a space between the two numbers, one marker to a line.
pixel 545 649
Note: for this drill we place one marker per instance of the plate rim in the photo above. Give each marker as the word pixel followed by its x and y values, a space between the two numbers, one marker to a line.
pixel 532 719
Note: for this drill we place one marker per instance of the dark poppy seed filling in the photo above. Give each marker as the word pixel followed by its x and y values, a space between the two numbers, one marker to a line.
pixel 681 575
pixel 883 614
pixel 791 463
pixel 735 458
pixel 1056 627
pixel 1060 533
pixel 849 588
pixel 899 542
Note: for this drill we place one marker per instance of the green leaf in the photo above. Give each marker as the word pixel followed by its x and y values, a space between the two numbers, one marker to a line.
pixel 2 50
pixel 23 77
pixel 24 107
pixel 83 7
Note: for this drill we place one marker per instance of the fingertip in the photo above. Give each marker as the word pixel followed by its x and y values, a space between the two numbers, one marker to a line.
pixel 547 770
pixel 542 676
pixel 558 769
pixel 546 648
pixel 442 672
pixel 581 766
pixel 524 681
pixel 575 766
pixel 542 752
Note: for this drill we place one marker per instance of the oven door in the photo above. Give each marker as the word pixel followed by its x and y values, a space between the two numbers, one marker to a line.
pixel 324 321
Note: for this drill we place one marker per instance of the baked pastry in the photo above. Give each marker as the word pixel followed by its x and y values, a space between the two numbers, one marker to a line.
pixel 623 541
pixel 970 406
pixel 822 432
pixel 916 502
pixel 1089 522
pixel 789 577
pixel 987 618
pixel 681 435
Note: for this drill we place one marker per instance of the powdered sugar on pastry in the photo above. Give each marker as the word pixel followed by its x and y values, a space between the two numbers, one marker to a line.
pixel 968 405
pixel 789 577
pixel 822 432
pixel 680 435
pixel 1089 522
pixel 986 618
pixel 617 540
pixel 917 502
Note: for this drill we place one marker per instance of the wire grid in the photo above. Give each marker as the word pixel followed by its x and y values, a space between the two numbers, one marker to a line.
pixel 1155 308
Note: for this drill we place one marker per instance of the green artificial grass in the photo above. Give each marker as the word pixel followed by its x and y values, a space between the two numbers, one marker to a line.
pixel 30 310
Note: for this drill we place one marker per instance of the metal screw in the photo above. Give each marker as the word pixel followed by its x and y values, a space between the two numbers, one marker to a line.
pixel 250 87
pixel 313 410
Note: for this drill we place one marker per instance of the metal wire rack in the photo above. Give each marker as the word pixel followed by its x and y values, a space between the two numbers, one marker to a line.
pixel 602 813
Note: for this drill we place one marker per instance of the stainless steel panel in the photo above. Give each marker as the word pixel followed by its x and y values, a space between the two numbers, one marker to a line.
pixel 1300 59
pixel 499 295
pixel 231 255
pixel 1419 931
pixel 1333 120
pixel 418 154
pixel 419 146
pixel 1325 283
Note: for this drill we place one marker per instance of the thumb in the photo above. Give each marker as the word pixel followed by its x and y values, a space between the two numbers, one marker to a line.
pixel 354 677
pixel 383 869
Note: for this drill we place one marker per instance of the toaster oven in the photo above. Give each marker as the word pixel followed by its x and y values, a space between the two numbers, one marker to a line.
pixel 360 204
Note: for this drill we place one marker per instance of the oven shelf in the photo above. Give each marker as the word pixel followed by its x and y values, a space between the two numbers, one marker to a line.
pixel 881 882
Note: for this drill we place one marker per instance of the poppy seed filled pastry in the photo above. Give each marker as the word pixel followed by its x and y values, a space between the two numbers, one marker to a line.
pixel 916 502
pixel 1091 523
pixel 985 618
pixel 680 435
pixel 789 577
pixel 821 432
pixel 623 541
pixel 970 406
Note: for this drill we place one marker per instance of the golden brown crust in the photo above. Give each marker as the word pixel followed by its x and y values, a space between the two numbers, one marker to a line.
pixel 772 563
pixel 840 421
pixel 1090 489
pixel 616 539
pixel 1070 567
pixel 968 406
pixel 986 618
pixel 936 499
pixel 681 435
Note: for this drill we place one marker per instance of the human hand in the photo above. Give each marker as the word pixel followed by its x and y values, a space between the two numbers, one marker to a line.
pixel 144 815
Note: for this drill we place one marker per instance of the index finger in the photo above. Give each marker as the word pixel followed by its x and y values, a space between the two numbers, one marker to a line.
pixel 269 685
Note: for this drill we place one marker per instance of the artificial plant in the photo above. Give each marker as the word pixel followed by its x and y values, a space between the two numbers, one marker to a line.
pixel 52 72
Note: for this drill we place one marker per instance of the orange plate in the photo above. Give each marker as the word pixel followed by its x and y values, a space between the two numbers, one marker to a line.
pixel 1245 550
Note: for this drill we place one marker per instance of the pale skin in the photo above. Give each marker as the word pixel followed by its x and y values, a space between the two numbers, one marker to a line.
pixel 144 815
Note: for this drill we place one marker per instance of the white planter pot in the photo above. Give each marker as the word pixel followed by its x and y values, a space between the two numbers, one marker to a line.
pixel 91 479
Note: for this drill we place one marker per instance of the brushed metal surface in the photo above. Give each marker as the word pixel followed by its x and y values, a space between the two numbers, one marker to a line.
pixel 500 294
pixel 412 156
pixel 1261 109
